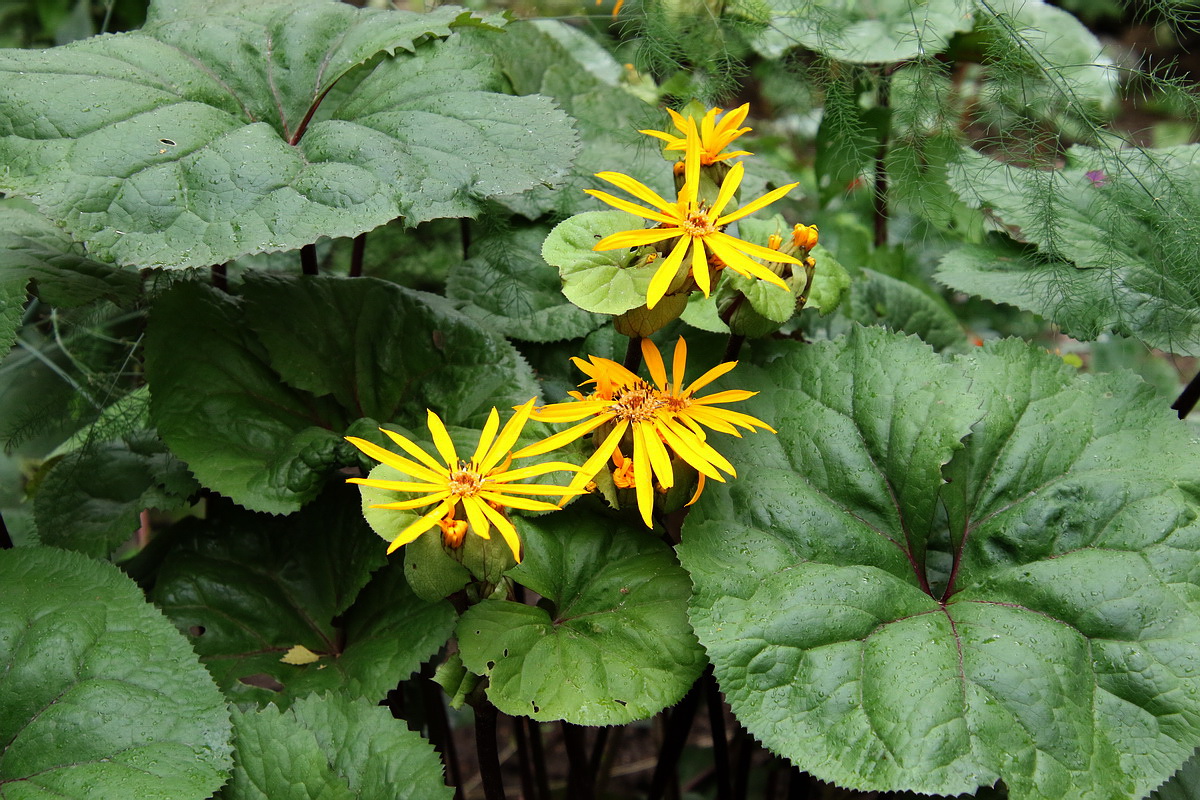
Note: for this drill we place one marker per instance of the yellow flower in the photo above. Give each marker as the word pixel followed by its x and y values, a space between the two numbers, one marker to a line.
pixel 696 226
pixel 714 136
pixel 658 422
pixel 481 486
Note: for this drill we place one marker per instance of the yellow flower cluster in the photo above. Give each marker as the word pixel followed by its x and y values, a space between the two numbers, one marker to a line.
pixel 653 422
pixel 696 227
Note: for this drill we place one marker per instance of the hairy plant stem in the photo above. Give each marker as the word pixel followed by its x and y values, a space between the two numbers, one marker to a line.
pixel 744 745
pixel 879 201
pixel 6 542
pixel 633 354
pixel 357 253
pixel 487 750
pixel 523 759
pixel 677 727
pixel 464 233
pixel 308 259
pixel 733 347
pixel 580 785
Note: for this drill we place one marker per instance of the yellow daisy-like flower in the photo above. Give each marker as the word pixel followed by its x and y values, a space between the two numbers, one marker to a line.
pixel 714 136
pixel 481 487
pixel 698 228
pixel 657 421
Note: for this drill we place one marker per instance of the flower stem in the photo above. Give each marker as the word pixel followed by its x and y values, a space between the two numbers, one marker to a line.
pixel 539 758
pixel 678 726
pixel 1188 397
pixel 220 280
pixel 440 734
pixel 716 720
pixel 308 259
pixel 633 354
pixel 357 253
pixel 6 542
pixel 579 776
pixel 486 749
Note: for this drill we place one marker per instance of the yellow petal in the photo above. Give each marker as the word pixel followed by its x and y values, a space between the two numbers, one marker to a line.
pixel 762 202
pixel 739 262
pixel 506 530
pixel 523 503
pixel 416 452
pixel 421 525
pixel 660 460
pixel 487 435
pixel 441 439
pixel 666 273
pixel 700 266
pixel 408 505
pixel 638 238
pixel 638 189
pixel 633 208
pixel 397 461
pixel 479 521
pixel 645 483
pixel 729 187
pixel 533 470
pixel 678 366
pixel 699 489
pixel 562 437
pixel 710 376
pixel 508 436
pixel 654 363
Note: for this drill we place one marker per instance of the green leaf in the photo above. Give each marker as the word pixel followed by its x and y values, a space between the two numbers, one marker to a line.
pixel 12 307
pixel 91 499
pixel 1114 242
pixel 865 33
pixel 608 282
pixel 32 247
pixel 612 646
pixel 508 287
pixel 258 412
pixel 541 58
pixel 382 351
pixel 245 128
pixel 877 299
pixel 1065 75
pixel 891 609
pixel 246 588
pixel 332 748
pixel 224 410
pixel 1183 785
pixel 99 696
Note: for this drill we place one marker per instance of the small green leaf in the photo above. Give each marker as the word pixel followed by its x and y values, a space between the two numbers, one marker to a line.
pixel 331 748
pixel 508 287
pixel 248 128
pixel 932 615
pixel 879 33
pixel 99 695
pixel 614 645
pixel 247 588
pixel 608 282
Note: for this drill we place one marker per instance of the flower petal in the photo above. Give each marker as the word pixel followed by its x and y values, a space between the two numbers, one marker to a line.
pixel 421 525
pixel 562 437
pixel 400 462
pixel 638 189
pixel 654 363
pixel 506 530
pixel 678 365
pixel 475 515
pixel 487 435
pixel 508 437
pixel 441 439
pixel 665 275
pixel 408 505
pixel 729 187
pixel 523 503
pixel 632 208
pixel 762 202
pixel 635 238
pixel 645 483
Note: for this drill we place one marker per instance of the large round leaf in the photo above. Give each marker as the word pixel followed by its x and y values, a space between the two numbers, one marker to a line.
pixel 252 127
pixel 613 645
pixel 890 608
pixel 332 748
pixel 99 696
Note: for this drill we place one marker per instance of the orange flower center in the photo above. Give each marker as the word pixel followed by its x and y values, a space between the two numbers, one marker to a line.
pixel 698 225
pixel 637 402
pixel 465 481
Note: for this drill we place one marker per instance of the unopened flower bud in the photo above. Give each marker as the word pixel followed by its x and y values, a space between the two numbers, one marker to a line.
pixel 804 237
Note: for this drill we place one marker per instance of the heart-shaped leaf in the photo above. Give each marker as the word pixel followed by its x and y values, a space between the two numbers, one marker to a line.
pixel 892 608
pixel 614 645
